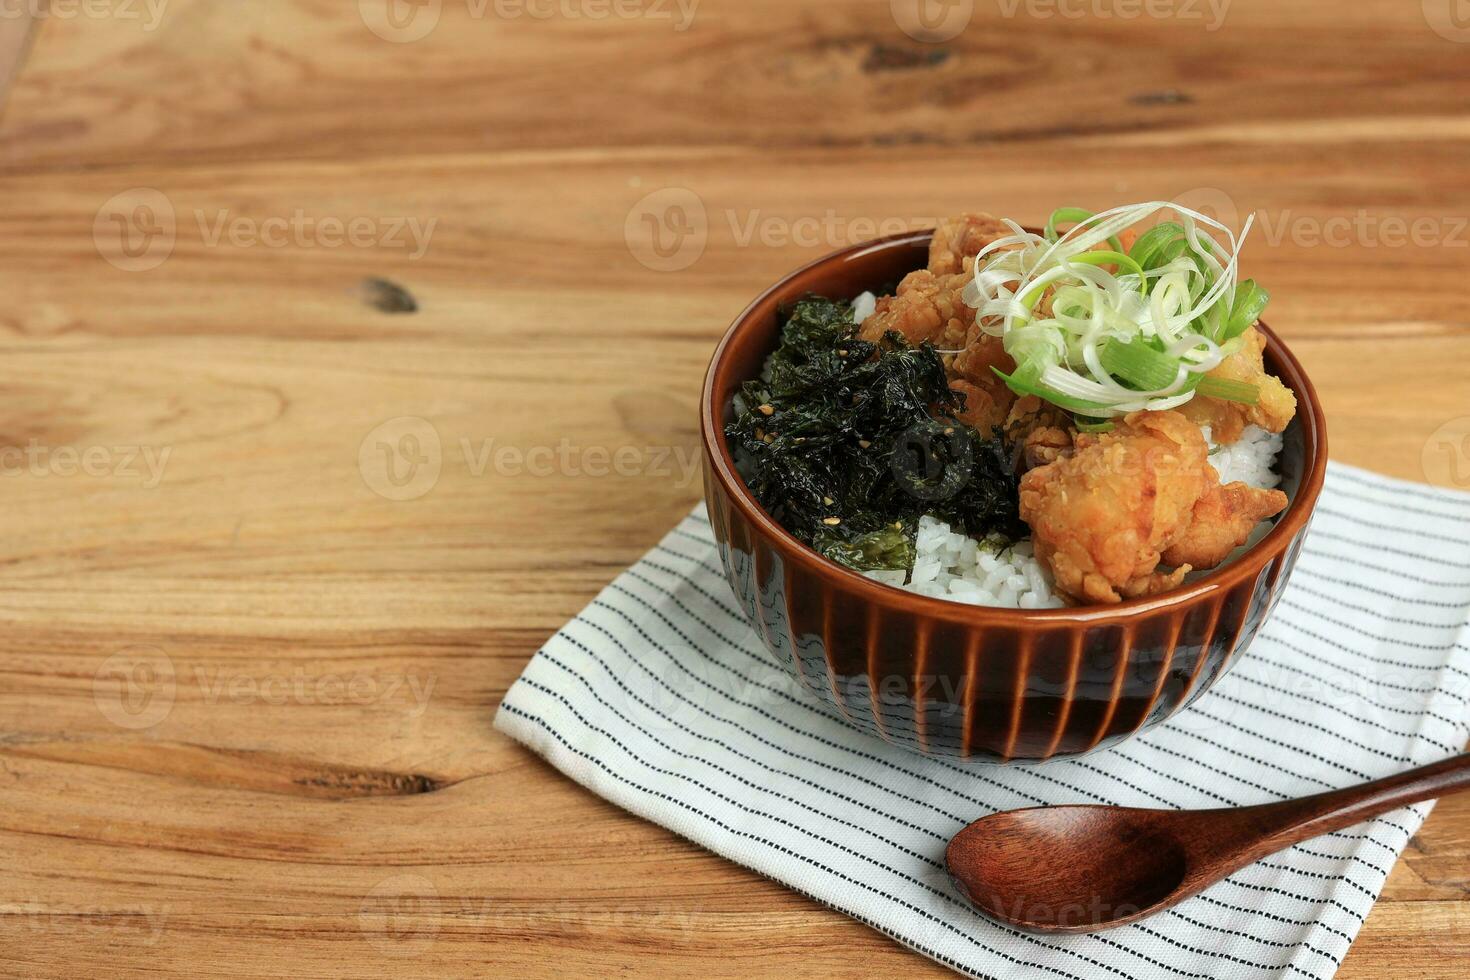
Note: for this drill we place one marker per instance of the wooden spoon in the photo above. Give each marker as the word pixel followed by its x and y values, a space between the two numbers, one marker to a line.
pixel 1088 868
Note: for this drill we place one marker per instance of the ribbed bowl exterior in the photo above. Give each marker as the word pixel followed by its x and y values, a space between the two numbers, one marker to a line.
pixel 1025 693
pixel 957 681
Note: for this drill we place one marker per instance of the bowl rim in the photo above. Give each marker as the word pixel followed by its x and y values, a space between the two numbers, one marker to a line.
pixel 1217 581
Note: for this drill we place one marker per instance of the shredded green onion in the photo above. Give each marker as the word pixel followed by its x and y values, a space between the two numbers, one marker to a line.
pixel 1111 258
pixel 1250 303
pixel 1070 215
pixel 1103 331
pixel 1160 245
pixel 1230 391
pixel 1139 364
pixel 1021 386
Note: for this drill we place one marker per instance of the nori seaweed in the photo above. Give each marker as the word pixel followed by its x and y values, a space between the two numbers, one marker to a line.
pixel 867 435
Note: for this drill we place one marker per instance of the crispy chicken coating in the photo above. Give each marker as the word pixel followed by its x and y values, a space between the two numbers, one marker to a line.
pixel 925 307
pixel 983 412
pixel 958 240
pixel 981 353
pixel 1113 514
pixel 1223 520
pixel 1102 517
pixel 1156 582
pixel 973 366
pixel 1043 431
pixel 1227 420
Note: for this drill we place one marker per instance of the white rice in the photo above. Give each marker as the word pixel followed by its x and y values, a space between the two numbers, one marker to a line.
pixel 949 565
pixel 1250 459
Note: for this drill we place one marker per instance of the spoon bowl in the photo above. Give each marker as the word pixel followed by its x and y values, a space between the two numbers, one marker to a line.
pixel 1053 883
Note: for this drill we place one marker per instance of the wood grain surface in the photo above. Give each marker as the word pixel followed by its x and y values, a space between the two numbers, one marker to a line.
pixel 276 546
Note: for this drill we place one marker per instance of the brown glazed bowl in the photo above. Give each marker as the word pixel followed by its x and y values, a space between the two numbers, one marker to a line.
pixel 969 682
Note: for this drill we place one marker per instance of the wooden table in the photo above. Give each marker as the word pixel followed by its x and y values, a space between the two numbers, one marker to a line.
pixel 275 547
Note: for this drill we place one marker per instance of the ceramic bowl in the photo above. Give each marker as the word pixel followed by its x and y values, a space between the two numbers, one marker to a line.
pixel 969 682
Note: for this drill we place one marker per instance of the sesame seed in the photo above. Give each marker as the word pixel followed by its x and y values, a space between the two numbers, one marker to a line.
pixel 767 410
pixel 832 521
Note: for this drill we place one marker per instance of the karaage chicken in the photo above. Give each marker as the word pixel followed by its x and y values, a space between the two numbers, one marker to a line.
pixel 1132 511
pixel 1275 404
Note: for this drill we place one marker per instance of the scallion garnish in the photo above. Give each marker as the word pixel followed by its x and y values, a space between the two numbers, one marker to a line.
pixel 1101 331
pixel 1230 391
pixel 1084 424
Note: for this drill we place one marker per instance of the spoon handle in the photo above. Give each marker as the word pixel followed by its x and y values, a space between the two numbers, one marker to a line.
pixel 1312 816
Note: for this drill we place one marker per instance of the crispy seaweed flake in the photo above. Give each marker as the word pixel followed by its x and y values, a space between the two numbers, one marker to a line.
pixel 848 443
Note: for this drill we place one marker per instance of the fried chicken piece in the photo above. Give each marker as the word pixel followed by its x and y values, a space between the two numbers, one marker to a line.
pixel 974 364
pixel 958 240
pixel 1227 420
pixel 1156 582
pixel 982 412
pixel 925 307
pixel 1102 516
pixel 983 352
pixel 1223 520
pixel 1045 444
pixel 1041 428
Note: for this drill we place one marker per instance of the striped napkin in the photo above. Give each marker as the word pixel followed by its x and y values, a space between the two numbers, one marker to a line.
pixel 660 698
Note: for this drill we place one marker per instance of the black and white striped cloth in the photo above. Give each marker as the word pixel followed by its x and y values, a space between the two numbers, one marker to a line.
pixel 660 698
